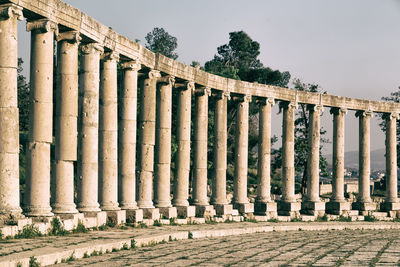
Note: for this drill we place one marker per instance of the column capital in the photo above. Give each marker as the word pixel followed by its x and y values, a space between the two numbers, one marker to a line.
pixel 42 25
pixel 365 113
pixel 168 80
pixel 131 65
pixel 154 74
pixel 9 11
pixel 338 111
pixel 242 98
pixel 265 101
pixel 113 56
pixel 91 48
pixel 390 116
pixel 187 85
pixel 222 94
pixel 288 104
pixel 70 36
pixel 315 108
pixel 203 91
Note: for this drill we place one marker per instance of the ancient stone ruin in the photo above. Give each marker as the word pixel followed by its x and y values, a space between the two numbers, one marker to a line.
pixel 103 148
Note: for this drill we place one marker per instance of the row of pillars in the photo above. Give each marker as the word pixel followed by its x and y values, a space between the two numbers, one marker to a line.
pixel 88 132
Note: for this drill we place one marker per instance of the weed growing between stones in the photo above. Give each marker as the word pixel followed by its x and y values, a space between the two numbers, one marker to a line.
pixel 370 218
pixel 29 231
pixel 190 235
pixel 103 227
pixel 33 262
pixel 157 223
pixel 323 218
pixel 85 255
pixel 111 222
pixel 172 221
pixel 69 259
pixel 94 253
pixel 80 228
pixel 141 225
pixel 210 220
pixel 296 219
pixel 344 218
pixel 57 228
pixel 273 220
pixel 125 247
pixel 252 220
pixel 133 243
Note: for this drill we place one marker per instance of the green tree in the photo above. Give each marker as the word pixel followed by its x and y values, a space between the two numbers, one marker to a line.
pixel 394 97
pixel 160 41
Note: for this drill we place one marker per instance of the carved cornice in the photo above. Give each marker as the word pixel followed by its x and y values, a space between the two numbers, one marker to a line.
pixel 91 48
pixel 42 25
pixel 131 65
pixel 71 37
pixel 338 111
pixel 110 56
pixel 9 11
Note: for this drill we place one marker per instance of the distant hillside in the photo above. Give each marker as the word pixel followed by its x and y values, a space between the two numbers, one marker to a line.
pixel 351 159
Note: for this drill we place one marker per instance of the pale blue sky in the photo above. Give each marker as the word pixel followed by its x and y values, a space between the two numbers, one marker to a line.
pixel 349 47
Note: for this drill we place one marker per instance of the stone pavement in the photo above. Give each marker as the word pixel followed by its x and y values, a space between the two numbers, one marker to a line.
pixel 246 243
pixel 301 248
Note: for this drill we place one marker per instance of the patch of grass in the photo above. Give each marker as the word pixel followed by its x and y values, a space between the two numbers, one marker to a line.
pixel 142 225
pixel 252 220
pixel 111 222
pixel 57 229
pixel 94 253
pixel 85 255
pixel 296 219
pixel 157 223
pixel 190 235
pixel 211 221
pixel 19 264
pixel 103 227
pixel 29 231
pixel 114 250
pixel 273 220
pixel 172 221
pixel 370 218
pixel 123 227
pixel 344 218
pixel 133 243
pixel 80 228
pixel 183 258
pixel 125 247
pixel 33 262
pixel 323 218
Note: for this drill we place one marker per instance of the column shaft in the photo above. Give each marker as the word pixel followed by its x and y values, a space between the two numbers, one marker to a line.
pixel 288 152
pixel 338 155
pixel 9 120
pixel 37 197
pixel 88 140
pixel 162 184
pixel 313 154
pixel 181 182
pixel 264 152
pixel 220 149
pixel 364 156
pixel 127 137
pixel 147 124
pixel 66 122
pixel 391 158
pixel 108 134
pixel 241 153
pixel 200 143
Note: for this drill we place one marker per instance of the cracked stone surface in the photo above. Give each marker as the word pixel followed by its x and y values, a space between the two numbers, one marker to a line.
pixel 299 248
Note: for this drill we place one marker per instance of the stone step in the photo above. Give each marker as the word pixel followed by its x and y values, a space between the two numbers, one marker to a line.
pixel 235 212
pixel 283 218
pixel 353 212
pixel 379 214
pixel 307 218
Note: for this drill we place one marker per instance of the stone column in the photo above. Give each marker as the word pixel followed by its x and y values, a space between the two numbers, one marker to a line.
pixel 288 205
pixel 264 205
pixel 37 196
pixel 66 122
pixel 391 200
pixel 108 134
pixel 312 204
pixel 240 200
pixel 364 201
pixel 88 123
pixel 162 183
pixel 220 161
pixel 147 125
pixel 9 122
pixel 181 181
pixel 338 204
pixel 127 137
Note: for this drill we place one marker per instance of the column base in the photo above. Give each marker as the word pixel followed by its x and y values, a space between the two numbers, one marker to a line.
pixel 38 212
pixel 364 206
pixel 95 218
pixel 110 207
pixel 186 211
pixel 134 216
pixel 313 208
pixel 205 211
pixel 60 209
pixel 289 208
pixel 128 206
pixel 338 208
pixel 244 208
pixel 168 212
pixel 264 208
pixel 146 204
pixel 389 206
pixel 151 213
pixel 116 217
pixel 223 209
pixel 88 208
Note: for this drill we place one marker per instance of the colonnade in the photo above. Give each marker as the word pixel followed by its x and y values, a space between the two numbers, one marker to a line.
pixel 96 131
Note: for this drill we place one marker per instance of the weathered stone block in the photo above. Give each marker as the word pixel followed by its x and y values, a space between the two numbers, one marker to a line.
pixel 337 208
pixel 244 208
pixel 364 206
pixel 205 211
pixel 168 212
pixel 151 213
pixel 262 208
pixel 116 216
pixel 313 208
pixel 389 206
pixel 134 216
pixel 289 206
pixel 186 212
pixel 95 219
pixel 223 209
